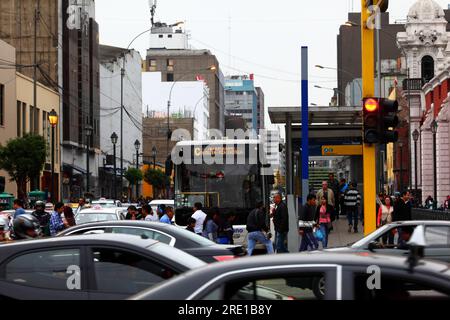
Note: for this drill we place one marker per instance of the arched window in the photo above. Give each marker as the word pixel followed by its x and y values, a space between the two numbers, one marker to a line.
pixel 427 68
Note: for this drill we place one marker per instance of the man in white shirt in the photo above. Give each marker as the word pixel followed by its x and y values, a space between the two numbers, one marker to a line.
pixel 199 217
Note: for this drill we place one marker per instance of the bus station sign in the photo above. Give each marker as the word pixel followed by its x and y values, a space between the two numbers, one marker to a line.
pixel 350 150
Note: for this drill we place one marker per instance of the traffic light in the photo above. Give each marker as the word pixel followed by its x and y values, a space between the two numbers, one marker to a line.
pixel 371 117
pixel 388 120
pixel 382 4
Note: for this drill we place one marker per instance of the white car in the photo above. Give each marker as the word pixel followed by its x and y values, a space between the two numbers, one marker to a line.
pixel 107 203
pixel 155 203
pixel 99 214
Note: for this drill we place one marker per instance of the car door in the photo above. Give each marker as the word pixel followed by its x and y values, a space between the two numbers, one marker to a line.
pixel 45 274
pixel 437 239
pixel 116 274
pixel 295 282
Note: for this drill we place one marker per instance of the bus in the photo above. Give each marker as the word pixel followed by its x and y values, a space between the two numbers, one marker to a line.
pixel 231 175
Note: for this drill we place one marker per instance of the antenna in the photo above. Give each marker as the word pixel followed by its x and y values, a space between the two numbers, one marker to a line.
pixel 153 4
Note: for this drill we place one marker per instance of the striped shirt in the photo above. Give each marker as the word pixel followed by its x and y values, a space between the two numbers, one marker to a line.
pixel 352 198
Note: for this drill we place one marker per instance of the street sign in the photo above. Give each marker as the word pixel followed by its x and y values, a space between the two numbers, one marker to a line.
pixel 351 150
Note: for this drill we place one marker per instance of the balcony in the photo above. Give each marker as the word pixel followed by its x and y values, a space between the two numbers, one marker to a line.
pixel 413 84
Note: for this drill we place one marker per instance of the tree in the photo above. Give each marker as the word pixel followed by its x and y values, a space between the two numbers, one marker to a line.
pixel 134 176
pixel 157 179
pixel 23 158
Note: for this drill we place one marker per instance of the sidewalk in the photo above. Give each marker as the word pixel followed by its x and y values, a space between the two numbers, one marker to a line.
pixel 340 237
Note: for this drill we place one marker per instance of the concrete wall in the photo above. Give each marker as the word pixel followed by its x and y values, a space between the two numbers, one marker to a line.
pixel 8 130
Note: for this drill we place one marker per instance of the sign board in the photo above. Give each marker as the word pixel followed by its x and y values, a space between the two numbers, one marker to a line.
pixel 351 150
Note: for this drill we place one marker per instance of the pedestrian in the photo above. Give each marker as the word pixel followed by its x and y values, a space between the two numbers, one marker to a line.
pixel 352 202
pixel 168 216
pixel 210 225
pixel 385 216
pixel 402 211
pixel 56 222
pixel 43 217
pixel 4 229
pixel 69 216
pixel 429 202
pixel 333 184
pixel 191 225
pixel 18 207
pixel 148 214
pixel 281 223
pixel 199 217
pixel 327 193
pixel 225 233
pixel 81 205
pixel 133 214
pixel 323 219
pixel 307 222
pixel 343 187
pixel 258 229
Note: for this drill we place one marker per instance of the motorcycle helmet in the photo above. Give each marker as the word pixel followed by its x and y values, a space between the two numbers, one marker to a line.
pixel 39 205
pixel 26 226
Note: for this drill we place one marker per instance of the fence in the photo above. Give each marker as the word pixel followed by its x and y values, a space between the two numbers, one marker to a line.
pixel 423 214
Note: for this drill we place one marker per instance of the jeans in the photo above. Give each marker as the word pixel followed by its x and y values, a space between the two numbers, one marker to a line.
pixel 280 242
pixel 258 236
pixel 309 241
pixel 352 217
pixel 324 229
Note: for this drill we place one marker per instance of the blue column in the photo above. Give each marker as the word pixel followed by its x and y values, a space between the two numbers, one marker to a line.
pixel 305 125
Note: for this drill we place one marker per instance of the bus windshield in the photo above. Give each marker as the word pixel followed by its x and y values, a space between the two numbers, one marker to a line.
pixel 232 188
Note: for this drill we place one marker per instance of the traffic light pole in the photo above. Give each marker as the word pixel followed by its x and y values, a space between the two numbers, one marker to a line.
pixel 369 152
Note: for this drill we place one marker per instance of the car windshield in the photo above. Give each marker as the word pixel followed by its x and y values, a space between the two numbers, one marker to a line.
pixel 104 204
pixel 83 218
pixel 177 256
pixel 374 235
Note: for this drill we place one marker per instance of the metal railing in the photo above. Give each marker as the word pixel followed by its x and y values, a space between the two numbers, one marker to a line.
pixel 413 84
pixel 424 214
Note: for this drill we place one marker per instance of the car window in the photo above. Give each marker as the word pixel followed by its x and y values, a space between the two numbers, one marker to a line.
pixel 395 288
pixel 304 287
pixel 395 238
pixel 437 236
pixel 124 272
pixel 195 238
pixel 45 269
pixel 150 234
pixel 176 255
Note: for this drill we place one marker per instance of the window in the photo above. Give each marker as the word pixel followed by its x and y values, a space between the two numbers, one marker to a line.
pixel 152 65
pixel 161 36
pixel 19 118
pixel 169 36
pixel 395 238
pixel 2 105
pixel 427 68
pixel 36 120
pixel 46 269
pixel 170 77
pixel 170 65
pixel 31 119
pixel 24 119
pixel 437 236
pixel 150 234
pixel 305 287
pixel 136 273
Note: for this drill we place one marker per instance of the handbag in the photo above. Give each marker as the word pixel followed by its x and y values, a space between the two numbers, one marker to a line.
pixel 318 234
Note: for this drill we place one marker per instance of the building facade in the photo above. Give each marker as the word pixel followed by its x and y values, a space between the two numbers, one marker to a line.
pixel 112 60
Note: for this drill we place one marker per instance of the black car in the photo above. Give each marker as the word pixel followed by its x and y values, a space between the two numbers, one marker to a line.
pixel 88 267
pixel 363 276
pixel 174 236
pixel 386 240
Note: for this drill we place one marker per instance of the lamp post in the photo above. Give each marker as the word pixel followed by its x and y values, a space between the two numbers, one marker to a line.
pixel 137 146
pixel 89 130
pixel 401 166
pixel 434 128
pixel 53 119
pixel 114 139
pixel 154 157
pixel 416 135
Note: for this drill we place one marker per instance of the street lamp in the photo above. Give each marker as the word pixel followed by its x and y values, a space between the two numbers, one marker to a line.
pixel 114 139
pixel 137 146
pixel 401 166
pixel 415 135
pixel 434 129
pixel 88 130
pixel 154 157
pixel 53 119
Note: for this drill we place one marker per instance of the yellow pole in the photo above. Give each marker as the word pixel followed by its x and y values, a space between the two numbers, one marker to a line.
pixel 368 80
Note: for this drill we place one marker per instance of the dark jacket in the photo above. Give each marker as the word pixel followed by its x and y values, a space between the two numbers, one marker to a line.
pixel 308 214
pixel 281 218
pixel 257 221
pixel 402 211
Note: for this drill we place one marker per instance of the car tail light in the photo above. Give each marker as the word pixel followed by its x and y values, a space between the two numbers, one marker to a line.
pixel 223 258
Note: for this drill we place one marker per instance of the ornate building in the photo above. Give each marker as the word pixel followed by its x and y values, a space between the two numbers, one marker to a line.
pixel 427 48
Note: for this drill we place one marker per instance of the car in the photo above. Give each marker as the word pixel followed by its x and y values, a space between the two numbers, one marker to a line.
pixel 174 236
pixel 155 203
pixel 437 238
pixel 98 213
pixel 88 267
pixel 107 203
pixel 341 276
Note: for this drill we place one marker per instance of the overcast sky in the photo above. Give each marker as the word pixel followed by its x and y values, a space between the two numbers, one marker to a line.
pixel 264 37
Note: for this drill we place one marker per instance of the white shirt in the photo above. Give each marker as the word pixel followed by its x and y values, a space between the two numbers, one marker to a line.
pixel 199 217
pixel 152 218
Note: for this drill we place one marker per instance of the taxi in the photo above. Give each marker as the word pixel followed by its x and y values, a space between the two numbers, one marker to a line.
pixel 97 213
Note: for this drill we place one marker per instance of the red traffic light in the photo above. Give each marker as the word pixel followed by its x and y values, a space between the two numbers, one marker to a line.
pixel 371 105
